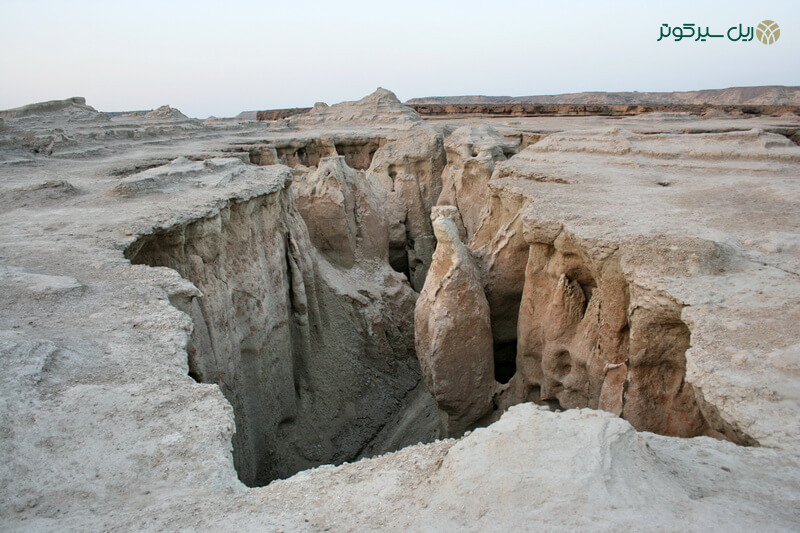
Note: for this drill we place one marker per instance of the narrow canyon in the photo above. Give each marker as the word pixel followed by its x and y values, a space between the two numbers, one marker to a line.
pixel 306 319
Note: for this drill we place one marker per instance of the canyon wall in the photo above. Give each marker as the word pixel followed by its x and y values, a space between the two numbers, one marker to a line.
pixel 404 169
pixel 526 109
pixel 315 360
pixel 569 322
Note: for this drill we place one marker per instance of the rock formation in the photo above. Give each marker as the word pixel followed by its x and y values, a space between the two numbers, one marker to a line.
pixel 759 95
pixel 313 360
pixel 73 108
pixel 403 171
pixel 342 213
pixel 380 106
pixel 193 309
pixel 453 333
pixel 472 152
pixel 407 174
pixel 582 325
pixel 165 112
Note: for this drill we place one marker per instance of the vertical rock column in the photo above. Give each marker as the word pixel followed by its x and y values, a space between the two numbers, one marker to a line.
pixel 453 330
pixel 406 174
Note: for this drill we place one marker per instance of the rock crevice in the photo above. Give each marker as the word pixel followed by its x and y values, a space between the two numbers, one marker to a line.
pixel 314 360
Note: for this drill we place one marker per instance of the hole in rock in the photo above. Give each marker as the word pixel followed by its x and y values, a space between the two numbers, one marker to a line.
pixel 398 259
pixel 314 376
pixel 505 360
pixel 508 153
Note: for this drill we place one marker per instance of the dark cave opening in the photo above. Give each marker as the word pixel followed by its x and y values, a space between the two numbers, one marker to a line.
pixel 505 360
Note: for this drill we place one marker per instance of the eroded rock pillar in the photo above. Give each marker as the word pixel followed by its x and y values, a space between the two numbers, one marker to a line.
pixel 453 330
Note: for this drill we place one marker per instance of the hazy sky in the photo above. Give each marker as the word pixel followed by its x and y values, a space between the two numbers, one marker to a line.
pixel 219 58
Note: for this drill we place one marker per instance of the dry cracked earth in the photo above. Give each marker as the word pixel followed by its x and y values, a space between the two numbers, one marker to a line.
pixel 359 319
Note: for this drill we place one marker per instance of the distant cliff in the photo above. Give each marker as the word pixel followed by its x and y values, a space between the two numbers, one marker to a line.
pixel 773 95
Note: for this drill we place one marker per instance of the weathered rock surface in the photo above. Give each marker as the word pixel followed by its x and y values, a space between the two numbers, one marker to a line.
pixel 379 107
pixel 74 108
pixel 661 255
pixel 453 333
pixel 407 175
pixel 165 112
pixel 342 213
pixel 403 171
pixel 71 129
pixel 599 325
pixel 174 176
pixel 313 360
pixel 472 152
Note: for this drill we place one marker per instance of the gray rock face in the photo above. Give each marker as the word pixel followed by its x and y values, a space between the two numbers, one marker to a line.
pixel 342 213
pixel 313 360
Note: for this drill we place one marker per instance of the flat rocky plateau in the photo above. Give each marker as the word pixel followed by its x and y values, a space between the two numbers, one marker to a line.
pixel 358 319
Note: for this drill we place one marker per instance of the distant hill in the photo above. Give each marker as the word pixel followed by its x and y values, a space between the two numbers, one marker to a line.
pixel 247 115
pixel 760 95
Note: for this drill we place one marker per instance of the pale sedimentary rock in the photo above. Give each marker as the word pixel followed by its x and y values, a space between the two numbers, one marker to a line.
pixel 380 106
pixel 342 213
pixel 292 152
pixel 403 170
pixel 165 112
pixel 472 152
pixel 406 174
pixel 590 319
pixel 74 108
pixel 691 240
pixel 588 338
pixel 453 332
pixel 502 254
pixel 313 359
